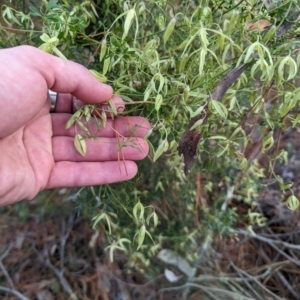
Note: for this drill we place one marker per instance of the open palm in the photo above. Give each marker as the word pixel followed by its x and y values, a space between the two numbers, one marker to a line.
pixel 36 151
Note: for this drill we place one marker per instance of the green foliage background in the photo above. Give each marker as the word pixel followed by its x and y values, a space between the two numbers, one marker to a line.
pixel 165 58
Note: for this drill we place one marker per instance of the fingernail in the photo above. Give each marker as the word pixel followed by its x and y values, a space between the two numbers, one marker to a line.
pixel 107 87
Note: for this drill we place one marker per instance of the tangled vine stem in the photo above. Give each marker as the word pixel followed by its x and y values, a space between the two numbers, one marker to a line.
pixel 189 141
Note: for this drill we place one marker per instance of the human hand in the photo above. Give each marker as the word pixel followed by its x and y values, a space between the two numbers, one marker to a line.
pixel 36 151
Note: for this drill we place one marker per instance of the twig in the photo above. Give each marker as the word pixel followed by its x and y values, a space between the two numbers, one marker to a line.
pixel 14 292
pixel 63 240
pixel 256 281
pixel 269 241
pixel 19 30
pixel 3 269
pixel 206 245
pixel 59 272
pixel 246 282
pixel 204 288
pixel 221 278
pixel 12 289
pixel 280 276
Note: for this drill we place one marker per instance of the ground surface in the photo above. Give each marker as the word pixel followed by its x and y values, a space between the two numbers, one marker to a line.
pixel 49 252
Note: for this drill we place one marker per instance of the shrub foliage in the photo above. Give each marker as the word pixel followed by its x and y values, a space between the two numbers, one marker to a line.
pixel 218 81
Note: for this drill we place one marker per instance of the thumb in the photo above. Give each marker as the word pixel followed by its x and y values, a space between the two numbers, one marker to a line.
pixel 68 77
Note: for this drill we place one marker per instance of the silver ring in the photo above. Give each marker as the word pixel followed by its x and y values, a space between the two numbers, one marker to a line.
pixel 53 100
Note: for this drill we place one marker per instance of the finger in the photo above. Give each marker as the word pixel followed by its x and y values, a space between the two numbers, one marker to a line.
pixel 124 126
pixel 67 76
pixel 71 174
pixel 66 103
pixel 102 149
pixel 118 102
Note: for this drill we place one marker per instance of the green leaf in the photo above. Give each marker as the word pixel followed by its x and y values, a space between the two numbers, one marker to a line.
pixel 128 22
pixel 153 215
pixel 97 219
pixel 296 120
pixel 138 211
pixel 169 30
pixel 147 93
pixel 94 10
pixel 268 142
pixel 292 202
pixel 45 37
pixel 51 4
pixel 218 108
pixel 34 11
pixel 99 76
pixel 243 164
pixel 292 70
pixel 203 39
pixel 158 77
pixel 289 102
pixel 223 150
pixel 163 146
pixel 197 124
pixel 141 236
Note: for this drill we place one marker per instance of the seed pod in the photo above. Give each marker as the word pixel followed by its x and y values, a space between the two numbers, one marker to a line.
pixel 106 65
pixel 221 40
pixel 183 62
pixel 203 39
pixel 186 92
pixel 104 118
pixel 202 56
pixel 158 101
pixel 160 21
pixel 155 219
pixel 151 45
pixel 73 119
pixel 147 93
pixel 83 128
pixel 80 144
pixel 163 147
pixel 169 30
pixel 233 20
pixel 103 49
pixel 270 33
pixel 141 236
